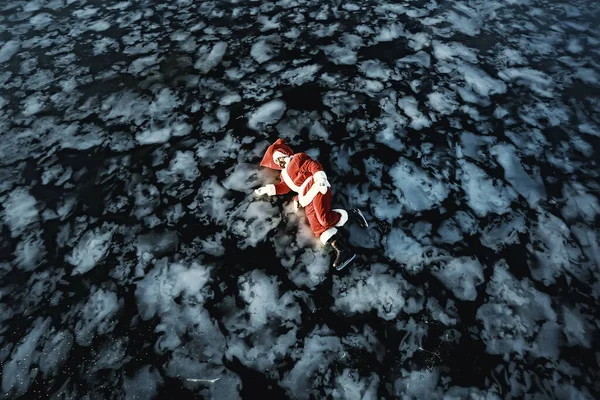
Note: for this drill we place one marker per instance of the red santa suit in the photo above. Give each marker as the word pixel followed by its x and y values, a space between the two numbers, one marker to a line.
pixel 306 177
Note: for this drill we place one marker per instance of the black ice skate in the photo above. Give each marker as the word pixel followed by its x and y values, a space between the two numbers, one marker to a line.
pixel 343 253
pixel 357 216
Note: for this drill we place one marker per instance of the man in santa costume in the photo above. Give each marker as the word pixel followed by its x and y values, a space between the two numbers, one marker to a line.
pixel 305 176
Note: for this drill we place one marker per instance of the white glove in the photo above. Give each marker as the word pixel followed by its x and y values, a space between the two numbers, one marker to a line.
pixel 269 189
pixel 321 180
pixel 296 204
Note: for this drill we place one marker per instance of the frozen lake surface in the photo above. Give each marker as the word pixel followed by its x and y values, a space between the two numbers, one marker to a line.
pixel 135 262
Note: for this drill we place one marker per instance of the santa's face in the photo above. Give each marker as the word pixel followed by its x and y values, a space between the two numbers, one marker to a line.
pixel 281 162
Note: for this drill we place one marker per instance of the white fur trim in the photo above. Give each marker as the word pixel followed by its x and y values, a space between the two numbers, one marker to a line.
pixel 344 218
pixel 320 176
pixel 288 181
pixel 328 234
pixel 271 190
pixel 321 181
pixel 277 154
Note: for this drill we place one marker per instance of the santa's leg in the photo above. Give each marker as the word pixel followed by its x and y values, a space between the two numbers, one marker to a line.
pixel 325 222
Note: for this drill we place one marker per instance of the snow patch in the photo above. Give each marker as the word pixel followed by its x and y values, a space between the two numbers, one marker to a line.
pixel 209 60
pixel 20 211
pixel 461 275
pixel 267 114
pixel 91 249
pixel 97 316
pixel 415 189
pixel 376 289
pixel 484 195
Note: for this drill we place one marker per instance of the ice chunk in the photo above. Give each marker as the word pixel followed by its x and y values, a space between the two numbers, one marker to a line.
pixel 312 266
pixel 140 65
pixel 265 309
pixel 373 170
pixel 212 152
pixel 151 136
pixel 243 178
pixel 41 290
pixel 261 293
pixel 252 222
pixel 340 55
pixel 588 75
pixel 420 58
pixel 30 252
pixel 374 70
pixel 443 102
pixel 97 316
pixel 575 328
pixel 555 251
pixel 20 211
pixel 91 249
pixel 410 107
pixel 301 75
pixel 481 82
pixel 206 62
pixel 389 33
pixel 157 291
pixel 267 114
pixel 588 239
pixel 350 385
pixel 537 81
pixel 531 189
pixel 263 350
pixel 485 195
pixel 407 251
pixel 416 190
pixel 472 393
pixel 512 314
pixel 8 50
pixel 17 373
pixel 143 384
pixel 147 198
pixel 579 203
pixel 448 316
pixel 548 341
pixel 157 243
pixel 392 125
pixel 321 347
pixel 501 232
pixel 474 146
pixel 99 26
pixel 194 372
pixel 176 294
pixel 448 51
pixel 378 290
pixel 55 353
pixel 340 102
pixel 262 51
pixel 461 275
pixel 184 166
pixel 33 104
pixel 449 232
pixel 417 384
pixel 213 203
pixel 112 355
pixel 468 224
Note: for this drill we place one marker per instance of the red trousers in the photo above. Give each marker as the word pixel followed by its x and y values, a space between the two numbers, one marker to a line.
pixel 320 215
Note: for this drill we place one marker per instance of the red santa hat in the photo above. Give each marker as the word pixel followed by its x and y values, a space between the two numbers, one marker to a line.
pixel 274 151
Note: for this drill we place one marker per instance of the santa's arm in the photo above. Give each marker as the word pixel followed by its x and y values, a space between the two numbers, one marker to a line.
pixel 281 187
pixel 273 189
pixel 318 174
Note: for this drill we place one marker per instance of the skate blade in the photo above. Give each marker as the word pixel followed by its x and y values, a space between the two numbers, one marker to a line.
pixel 342 266
pixel 364 222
